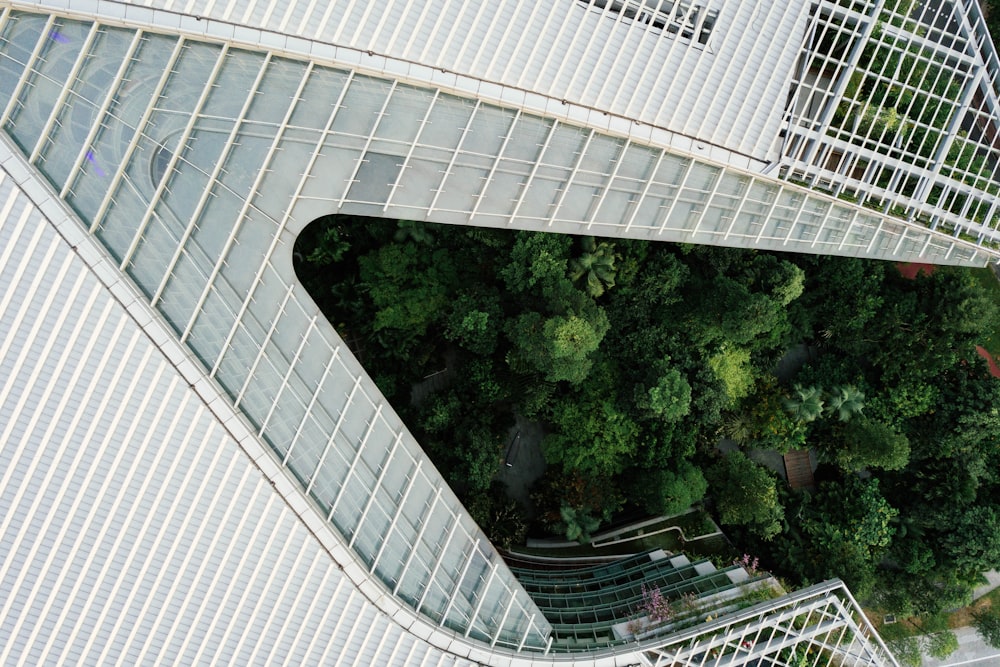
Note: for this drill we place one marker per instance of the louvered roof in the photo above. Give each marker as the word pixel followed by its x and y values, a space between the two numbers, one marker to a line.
pixel 729 91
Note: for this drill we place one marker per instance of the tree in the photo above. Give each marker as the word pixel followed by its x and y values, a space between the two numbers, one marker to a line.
pixel 588 495
pixel 845 402
pixel 558 347
pixel 329 245
pixel 772 426
pixel 668 491
pixel 730 313
pixel 907 651
pixel 856 510
pixel 746 495
pixel 939 640
pixel 501 518
pixel 414 230
pixel 785 281
pixel 579 525
pixel 409 287
pixel 537 260
pixel 474 323
pixel 805 404
pixel 467 444
pixel 847 528
pixel 941 644
pixel 872 444
pixel 595 266
pixel 987 624
pixel 842 295
pixel 732 366
pixel 929 325
pixel 668 399
pixel 904 594
pixel 593 437
pixel 972 541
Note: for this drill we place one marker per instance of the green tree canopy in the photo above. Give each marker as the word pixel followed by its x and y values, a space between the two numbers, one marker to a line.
pixel 871 444
pixel 805 403
pixel 745 495
pixel 669 490
pixel 987 624
pixel 845 402
pixel 409 286
pixel 537 262
pixel 972 539
pixel 669 398
pixel 843 530
pixel 557 347
pixel 732 366
pixel 593 437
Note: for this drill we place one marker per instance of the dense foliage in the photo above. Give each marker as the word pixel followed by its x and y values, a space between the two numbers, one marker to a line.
pixel 637 357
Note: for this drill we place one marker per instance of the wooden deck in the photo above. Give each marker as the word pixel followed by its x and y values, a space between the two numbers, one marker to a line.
pixel 798 470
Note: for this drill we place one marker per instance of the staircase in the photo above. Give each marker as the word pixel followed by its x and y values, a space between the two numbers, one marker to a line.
pixel 590 606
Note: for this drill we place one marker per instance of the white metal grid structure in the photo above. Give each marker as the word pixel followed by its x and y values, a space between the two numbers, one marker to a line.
pixel 728 91
pixel 194 150
pixel 819 625
pixel 895 104
pixel 280 366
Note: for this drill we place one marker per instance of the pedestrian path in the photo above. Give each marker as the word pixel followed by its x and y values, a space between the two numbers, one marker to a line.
pixel 798 470
pixel 972 652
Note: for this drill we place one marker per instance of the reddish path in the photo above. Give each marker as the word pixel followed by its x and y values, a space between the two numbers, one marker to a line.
pixel 911 271
pixel 994 367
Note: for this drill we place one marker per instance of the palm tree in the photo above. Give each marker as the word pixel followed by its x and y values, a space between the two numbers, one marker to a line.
pixel 579 524
pixel 806 404
pixel 846 402
pixel 415 230
pixel 596 265
pixel 738 427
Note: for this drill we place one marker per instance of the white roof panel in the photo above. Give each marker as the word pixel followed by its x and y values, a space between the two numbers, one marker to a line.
pixel 597 54
pixel 134 529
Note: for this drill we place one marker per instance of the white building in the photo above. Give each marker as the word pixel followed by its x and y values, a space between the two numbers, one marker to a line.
pixel 195 468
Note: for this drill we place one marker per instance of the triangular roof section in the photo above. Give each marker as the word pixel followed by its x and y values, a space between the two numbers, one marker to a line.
pixel 181 156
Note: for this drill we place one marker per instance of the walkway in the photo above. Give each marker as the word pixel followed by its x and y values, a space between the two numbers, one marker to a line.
pixel 798 470
pixel 972 651
pixel 990 359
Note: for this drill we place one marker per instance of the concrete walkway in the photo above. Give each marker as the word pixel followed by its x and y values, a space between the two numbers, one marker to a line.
pixel 972 651
pixel 993 582
pixel 526 461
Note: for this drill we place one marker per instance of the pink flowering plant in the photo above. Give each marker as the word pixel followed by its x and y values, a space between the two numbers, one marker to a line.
pixel 655 605
pixel 749 563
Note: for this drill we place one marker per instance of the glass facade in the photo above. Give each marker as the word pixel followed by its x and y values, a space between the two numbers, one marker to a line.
pixel 588 605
